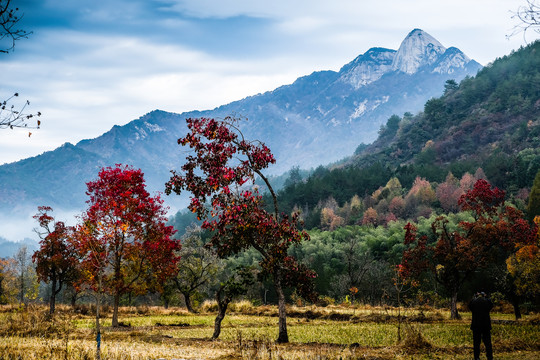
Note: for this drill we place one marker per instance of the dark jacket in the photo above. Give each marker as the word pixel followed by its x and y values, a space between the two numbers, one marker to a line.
pixel 480 308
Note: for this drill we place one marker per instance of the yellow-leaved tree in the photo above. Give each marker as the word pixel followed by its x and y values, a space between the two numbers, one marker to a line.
pixel 524 265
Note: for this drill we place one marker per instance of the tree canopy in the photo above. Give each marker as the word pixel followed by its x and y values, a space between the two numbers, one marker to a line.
pixel 123 239
pixel 216 173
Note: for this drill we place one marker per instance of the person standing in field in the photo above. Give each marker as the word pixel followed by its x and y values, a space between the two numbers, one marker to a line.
pixel 480 307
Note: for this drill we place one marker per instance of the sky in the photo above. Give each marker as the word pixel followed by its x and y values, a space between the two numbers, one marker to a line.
pixel 92 64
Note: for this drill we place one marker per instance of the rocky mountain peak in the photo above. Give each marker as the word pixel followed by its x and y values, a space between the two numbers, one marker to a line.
pixel 452 60
pixel 368 67
pixel 318 119
pixel 417 50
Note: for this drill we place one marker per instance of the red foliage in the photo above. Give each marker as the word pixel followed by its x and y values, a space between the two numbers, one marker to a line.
pixel 216 172
pixel 56 260
pixel 457 254
pixel 482 199
pixel 414 260
pixel 123 236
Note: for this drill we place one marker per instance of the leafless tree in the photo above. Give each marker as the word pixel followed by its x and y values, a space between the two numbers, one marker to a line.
pixel 529 18
pixel 9 33
pixel 11 115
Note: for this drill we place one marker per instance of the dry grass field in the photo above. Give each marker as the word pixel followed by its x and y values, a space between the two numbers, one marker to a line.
pixel 333 332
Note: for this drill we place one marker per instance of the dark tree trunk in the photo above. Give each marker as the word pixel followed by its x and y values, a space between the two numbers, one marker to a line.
pixel 222 309
pixel 98 325
pixel 514 299
pixel 515 303
pixel 52 300
pixel 166 302
pixel 117 281
pixel 1 291
pixel 73 298
pixel 115 310
pixel 187 300
pixel 283 337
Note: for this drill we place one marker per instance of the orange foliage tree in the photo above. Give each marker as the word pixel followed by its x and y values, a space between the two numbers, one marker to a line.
pixel 524 264
pixel 457 254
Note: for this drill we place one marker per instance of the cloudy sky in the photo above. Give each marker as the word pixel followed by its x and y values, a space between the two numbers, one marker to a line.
pixel 91 64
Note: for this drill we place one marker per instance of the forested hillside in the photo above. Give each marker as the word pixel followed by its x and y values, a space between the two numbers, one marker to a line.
pixel 490 122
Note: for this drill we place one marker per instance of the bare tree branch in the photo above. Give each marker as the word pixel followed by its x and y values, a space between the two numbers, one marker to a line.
pixel 12 117
pixel 529 18
pixel 9 17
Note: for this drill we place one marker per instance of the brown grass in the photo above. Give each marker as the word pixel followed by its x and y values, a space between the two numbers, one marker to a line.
pixel 31 334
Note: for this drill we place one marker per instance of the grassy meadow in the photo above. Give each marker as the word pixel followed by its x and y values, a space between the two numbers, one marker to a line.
pixel 333 332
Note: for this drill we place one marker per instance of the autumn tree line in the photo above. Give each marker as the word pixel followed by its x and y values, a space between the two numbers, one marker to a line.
pixel 441 241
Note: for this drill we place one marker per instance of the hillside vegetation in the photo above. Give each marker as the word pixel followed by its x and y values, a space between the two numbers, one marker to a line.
pixel 436 210
pixel 491 122
pixel 486 127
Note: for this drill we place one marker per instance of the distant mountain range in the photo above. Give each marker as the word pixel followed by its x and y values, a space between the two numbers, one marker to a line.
pixel 318 119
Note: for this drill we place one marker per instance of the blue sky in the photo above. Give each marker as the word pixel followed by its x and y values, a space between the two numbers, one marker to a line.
pixel 91 64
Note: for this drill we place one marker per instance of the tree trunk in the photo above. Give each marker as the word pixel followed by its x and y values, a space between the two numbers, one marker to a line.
pixel 166 302
pixel 73 298
pixel 115 310
pixel 515 304
pixel 222 309
pixel 1 291
pixel 117 281
pixel 283 337
pixel 514 299
pixel 22 289
pixel 454 315
pixel 98 326
pixel 187 300
pixel 52 300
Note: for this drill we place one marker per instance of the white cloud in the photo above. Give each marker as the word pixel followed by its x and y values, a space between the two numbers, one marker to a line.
pixel 117 79
pixel 84 82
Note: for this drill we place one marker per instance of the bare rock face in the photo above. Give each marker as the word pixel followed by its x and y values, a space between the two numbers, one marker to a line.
pixel 419 49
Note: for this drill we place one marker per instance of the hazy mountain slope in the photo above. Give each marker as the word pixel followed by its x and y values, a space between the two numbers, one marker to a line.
pixel 318 119
pixel 10 248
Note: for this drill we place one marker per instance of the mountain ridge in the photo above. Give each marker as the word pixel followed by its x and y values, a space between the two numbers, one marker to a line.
pixel 496 113
pixel 487 125
pixel 300 122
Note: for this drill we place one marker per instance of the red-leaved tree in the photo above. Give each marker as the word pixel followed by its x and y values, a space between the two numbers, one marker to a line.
pixel 473 245
pixel 56 260
pixel 216 171
pixel 123 240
